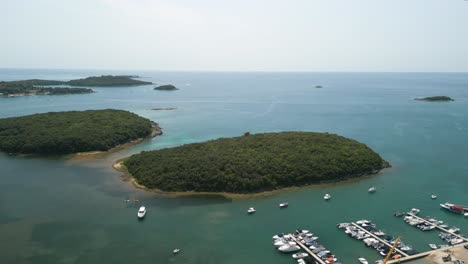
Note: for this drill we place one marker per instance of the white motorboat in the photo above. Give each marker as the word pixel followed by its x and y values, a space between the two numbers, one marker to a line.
pixel 327 196
pixel 301 261
pixel 300 255
pixel 141 212
pixel 454 229
pixel 433 196
pixel 289 248
pixel 372 189
pixel 251 210
pixel 363 260
pixel 414 211
pixel 465 214
pixel 175 251
pixel 433 246
pixel 283 205
pixel 278 236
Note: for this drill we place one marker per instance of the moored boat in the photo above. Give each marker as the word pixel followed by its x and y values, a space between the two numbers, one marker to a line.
pixel 363 260
pixel 289 248
pixel 300 255
pixel 459 209
pixel 433 246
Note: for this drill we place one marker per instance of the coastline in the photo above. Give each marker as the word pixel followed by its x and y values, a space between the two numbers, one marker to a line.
pixel 156 131
pixel 127 177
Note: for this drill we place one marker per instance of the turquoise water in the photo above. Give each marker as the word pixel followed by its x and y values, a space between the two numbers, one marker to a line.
pixel 62 210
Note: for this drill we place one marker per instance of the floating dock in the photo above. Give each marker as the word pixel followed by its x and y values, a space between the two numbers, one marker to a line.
pixel 438 227
pixel 379 239
pixel 312 254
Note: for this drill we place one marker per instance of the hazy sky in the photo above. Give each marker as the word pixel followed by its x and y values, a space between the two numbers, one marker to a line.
pixel 239 35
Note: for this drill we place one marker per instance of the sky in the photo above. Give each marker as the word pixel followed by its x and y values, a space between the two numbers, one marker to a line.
pixel 236 35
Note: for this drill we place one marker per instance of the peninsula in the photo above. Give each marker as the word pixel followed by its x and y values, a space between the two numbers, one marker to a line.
pixel 42 87
pixel 33 87
pixel 439 98
pixel 166 87
pixel 253 163
pixel 72 132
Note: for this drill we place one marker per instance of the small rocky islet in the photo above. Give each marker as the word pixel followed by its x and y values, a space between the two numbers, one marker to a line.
pixel 166 87
pixel 439 98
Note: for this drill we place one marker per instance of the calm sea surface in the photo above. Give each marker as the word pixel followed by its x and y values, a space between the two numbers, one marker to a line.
pixel 62 210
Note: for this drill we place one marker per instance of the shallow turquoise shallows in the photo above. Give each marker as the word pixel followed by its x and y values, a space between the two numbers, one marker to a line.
pixel 61 210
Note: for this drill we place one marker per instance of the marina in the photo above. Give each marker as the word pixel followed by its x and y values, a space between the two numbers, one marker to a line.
pixel 303 239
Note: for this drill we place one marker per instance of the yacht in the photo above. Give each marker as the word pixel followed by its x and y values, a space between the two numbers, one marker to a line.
pixel 433 246
pixel 327 196
pixel 363 260
pixel 278 236
pixel 300 255
pixel 433 196
pixel 372 189
pixel 251 210
pixel 283 205
pixel 414 211
pixel 141 212
pixel 289 248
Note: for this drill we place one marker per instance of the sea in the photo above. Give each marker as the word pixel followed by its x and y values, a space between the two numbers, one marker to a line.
pixel 74 209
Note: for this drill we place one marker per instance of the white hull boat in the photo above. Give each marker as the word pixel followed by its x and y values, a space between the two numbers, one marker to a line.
pixel 363 260
pixel 433 196
pixel 300 255
pixel 289 248
pixel 141 212
pixel 433 246
pixel 283 205
pixel 372 189
pixel 327 196
pixel 251 210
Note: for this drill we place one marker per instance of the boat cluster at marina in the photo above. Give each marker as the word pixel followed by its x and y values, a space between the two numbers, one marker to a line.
pixel 371 236
pixel 305 240
pixel 458 209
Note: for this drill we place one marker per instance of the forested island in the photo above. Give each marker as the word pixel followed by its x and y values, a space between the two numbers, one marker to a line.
pixel 439 98
pixel 253 163
pixel 166 87
pixel 73 131
pixel 108 80
pixel 32 87
pixel 42 87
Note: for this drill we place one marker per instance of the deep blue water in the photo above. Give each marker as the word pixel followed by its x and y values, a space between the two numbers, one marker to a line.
pixel 61 210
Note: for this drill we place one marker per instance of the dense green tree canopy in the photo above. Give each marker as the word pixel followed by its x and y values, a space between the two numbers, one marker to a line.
pixel 254 163
pixel 71 132
pixel 108 80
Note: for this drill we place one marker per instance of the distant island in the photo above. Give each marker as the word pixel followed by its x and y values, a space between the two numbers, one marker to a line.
pixel 41 87
pixel 439 98
pixel 318 86
pixel 253 163
pixel 163 108
pixel 31 87
pixel 72 132
pixel 108 80
pixel 166 87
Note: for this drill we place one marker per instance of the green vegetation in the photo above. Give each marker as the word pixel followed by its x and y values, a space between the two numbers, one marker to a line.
pixel 28 87
pixel 435 98
pixel 36 86
pixel 166 87
pixel 254 163
pixel 71 132
pixel 107 80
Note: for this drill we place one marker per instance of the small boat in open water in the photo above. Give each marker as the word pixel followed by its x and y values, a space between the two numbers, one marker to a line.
pixel 433 196
pixel 372 189
pixel 283 205
pixel 141 212
pixel 175 251
pixel 251 210
pixel 327 196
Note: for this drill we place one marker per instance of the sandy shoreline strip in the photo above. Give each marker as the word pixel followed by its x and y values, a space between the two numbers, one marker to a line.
pixel 119 166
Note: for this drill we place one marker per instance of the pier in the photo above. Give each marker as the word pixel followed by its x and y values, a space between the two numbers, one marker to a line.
pixel 424 254
pixel 379 239
pixel 312 254
pixel 438 227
